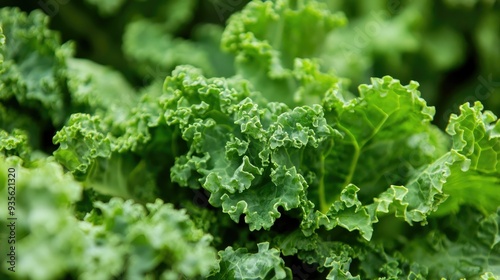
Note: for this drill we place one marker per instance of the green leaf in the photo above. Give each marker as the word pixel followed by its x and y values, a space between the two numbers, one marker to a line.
pixel 469 247
pixel 425 188
pixel 81 141
pixel 33 71
pixel 156 52
pixel 100 90
pixel 46 231
pixel 384 135
pixel 145 235
pixel 118 239
pixel 240 264
pixel 339 271
pixel 317 250
pixel 15 144
pixel 476 136
pixel 277 62
pixel 380 139
pixel 256 34
pixel 87 150
pixel 260 202
pixel 230 136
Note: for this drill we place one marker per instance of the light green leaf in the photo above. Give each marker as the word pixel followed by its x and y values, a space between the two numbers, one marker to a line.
pixel 146 236
pixel 156 52
pixel 100 90
pixel 475 136
pixel 15 144
pixel 246 154
pixel 46 231
pixel 33 64
pixel 277 62
pixel 469 248
pixel 379 140
pixel 256 34
pixel 87 150
pixel 239 264
pixel 384 135
pixel 81 141
pixel 260 203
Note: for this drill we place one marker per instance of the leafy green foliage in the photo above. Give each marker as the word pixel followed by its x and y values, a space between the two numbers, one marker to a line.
pixel 33 64
pixel 118 238
pixel 246 151
pixel 15 144
pixel 270 57
pixel 239 264
pixel 476 136
pixel 461 248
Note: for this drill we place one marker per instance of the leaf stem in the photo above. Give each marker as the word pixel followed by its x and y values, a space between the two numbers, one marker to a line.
pixel 324 206
pixel 357 149
pixel 355 157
